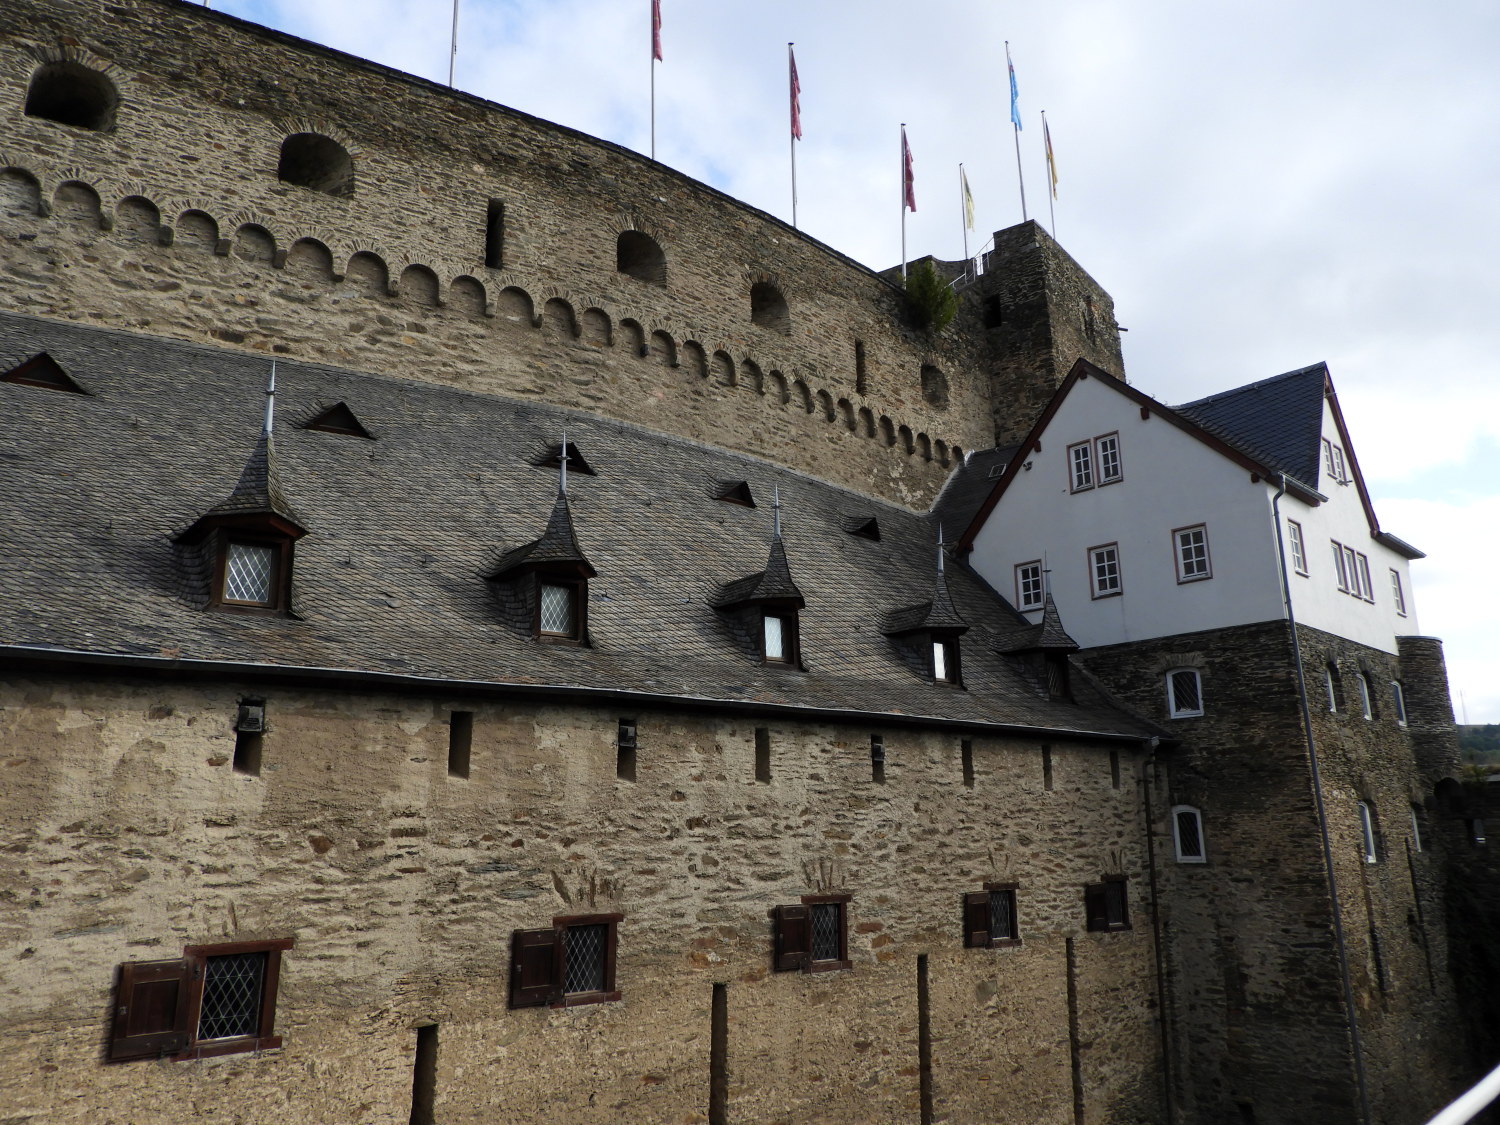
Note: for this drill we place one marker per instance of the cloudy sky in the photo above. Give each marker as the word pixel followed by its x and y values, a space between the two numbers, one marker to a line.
pixel 1259 185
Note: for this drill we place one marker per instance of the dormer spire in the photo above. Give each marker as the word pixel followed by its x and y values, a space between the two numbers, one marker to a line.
pixel 271 401
pixel 776 512
pixel 940 552
pixel 562 466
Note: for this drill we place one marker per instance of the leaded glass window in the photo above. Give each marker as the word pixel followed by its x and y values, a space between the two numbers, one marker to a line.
pixel 1002 915
pixel 558 610
pixel 232 994
pixel 1187 834
pixel 249 570
pixel 827 931
pixel 775 638
pixel 586 949
pixel 1184 693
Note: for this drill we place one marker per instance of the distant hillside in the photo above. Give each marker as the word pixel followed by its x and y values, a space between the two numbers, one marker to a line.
pixel 1480 743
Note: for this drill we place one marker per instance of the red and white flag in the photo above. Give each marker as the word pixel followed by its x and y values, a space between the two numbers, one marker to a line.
pixel 796 95
pixel 656 30
pixel 908 180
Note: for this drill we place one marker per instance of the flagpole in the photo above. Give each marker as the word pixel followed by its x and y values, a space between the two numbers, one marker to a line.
pixel 453 45
pixel 903 201
pixel 791 70
pixel 1051 175
pixel 1015 128
pixel 655 40
pixel 963 210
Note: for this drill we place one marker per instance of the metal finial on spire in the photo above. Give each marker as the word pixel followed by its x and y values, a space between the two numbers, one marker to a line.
pixel 271 399
pixel 562 478
pixel 940 550
pixel 776 510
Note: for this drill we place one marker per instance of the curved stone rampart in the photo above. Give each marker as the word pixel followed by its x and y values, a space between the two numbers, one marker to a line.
pixel 175 222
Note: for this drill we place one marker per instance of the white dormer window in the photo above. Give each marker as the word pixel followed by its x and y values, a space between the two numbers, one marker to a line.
pixel 775 638
pixel 1299 551
pixel 558 616
pixel 1081 465
pixel 1333 463
pixel 1030 593
pixel 249 573
pixel 1107 449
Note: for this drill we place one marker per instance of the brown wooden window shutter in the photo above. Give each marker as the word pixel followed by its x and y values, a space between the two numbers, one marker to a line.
pixel 535 967
pixel 793 938
pixel 151 1009
pixel 977 920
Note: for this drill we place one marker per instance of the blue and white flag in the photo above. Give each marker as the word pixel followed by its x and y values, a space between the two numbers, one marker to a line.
pixel 1015 109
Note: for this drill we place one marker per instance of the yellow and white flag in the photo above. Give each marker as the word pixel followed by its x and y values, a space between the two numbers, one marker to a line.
pixel 968 199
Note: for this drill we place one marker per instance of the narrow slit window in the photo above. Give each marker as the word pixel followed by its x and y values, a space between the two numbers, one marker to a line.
pixel 763 754
pixel 625 750
pixel 966 758
pixel 1398 701
pixel 494 235
pixel 1047 768
pixel 1367 832
pixel 1114 769
pixel 460 739
pixel 877 759
pixel 1363 683
pixel 1299 550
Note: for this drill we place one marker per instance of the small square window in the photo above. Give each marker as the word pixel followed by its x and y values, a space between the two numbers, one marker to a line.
pixel 1192 553
pixel 1187 834
pixel 1184 693
pixel 558 614
pixel 1299 551
pixel 250 573
pixel 1104 570
pixel 1107 458
pixel 989 917
pixel 1081 466
pixel 813 936
pixel 569 964
pixel 215 1000
pixel 1030 593
pixel 1106 905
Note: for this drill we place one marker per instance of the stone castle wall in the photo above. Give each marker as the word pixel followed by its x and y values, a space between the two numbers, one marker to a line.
pixel 173 221
pixel 128 834
pixel 1252 962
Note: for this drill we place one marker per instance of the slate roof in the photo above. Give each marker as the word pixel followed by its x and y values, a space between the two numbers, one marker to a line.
pixel 558 545
pixel 968 487
pixel 404 530
pixel 1277 421
pixel 772 584
pixel 1046 634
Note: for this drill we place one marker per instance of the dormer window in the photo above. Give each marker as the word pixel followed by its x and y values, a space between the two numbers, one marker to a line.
pixel 252 564
pixel 543 585
pixel 945 660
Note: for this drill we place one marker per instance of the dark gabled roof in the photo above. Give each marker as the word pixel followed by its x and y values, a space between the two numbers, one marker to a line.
pixel 42 370
pixel 1047 635
pixel 774 584
pixel 557 547
pixel 937 614
pixel 391 581
pixel 863 526
pixel 256 493
pixel 338 419
pixel 967 487
pixel 1278 421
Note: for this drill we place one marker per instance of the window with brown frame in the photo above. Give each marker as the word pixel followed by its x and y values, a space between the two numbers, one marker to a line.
pixel 571 963
pixel 779 636
pixel 1191 550
pixel 253 572
pixel 214 1000
pixel 1081 466
pixel 1106 905
pixel 560 608
pixel 1030 592
pixel 812 936
pixel 990 917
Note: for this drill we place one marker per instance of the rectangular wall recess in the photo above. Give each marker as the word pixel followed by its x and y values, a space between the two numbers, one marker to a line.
pixel 424 1077
pixel 460 742
pixel 625 750
pixel 762 753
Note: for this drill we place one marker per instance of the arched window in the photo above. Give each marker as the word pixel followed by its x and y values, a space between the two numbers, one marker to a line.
pixel 1184 693
pixel 639 256
pixel 1367 832
pixel 314 161
pixel 768 308
pixel 72 94
pixel 1363 683
pixel 1187 834
pixel 1331 679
